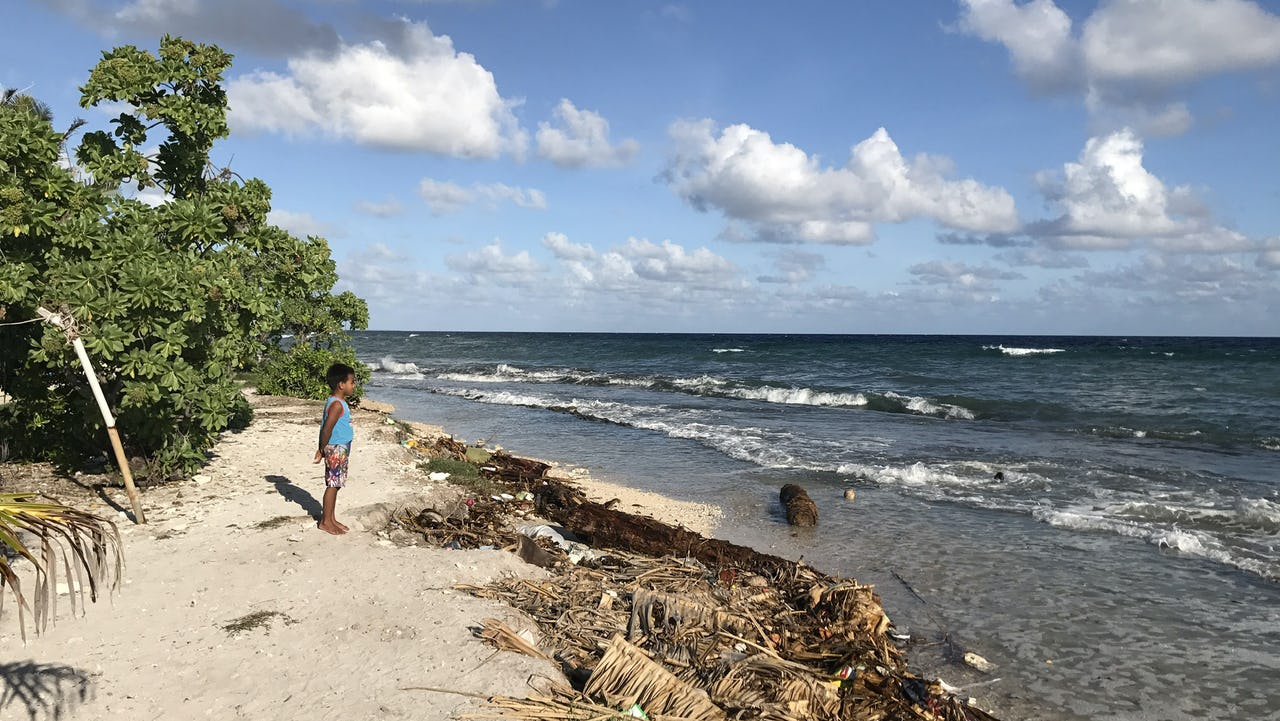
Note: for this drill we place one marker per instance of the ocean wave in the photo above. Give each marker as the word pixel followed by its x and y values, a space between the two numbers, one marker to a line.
pixel 926 407
pixel 759 446
pixel 717 387
pixel 727 350
pixel 390 365
pixel 1201 544
pixel 1010 351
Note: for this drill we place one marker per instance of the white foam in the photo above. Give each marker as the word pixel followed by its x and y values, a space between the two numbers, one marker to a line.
pixel 726 350
pixel 916 475
pixel 390 365
pixel 413 335
pixel 799 396
pixel 471 378
pixel 1010 351
pixel 1191 543
pixel 926 407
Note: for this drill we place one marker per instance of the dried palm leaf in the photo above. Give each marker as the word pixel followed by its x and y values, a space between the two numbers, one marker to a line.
pixel 87 545
pixel 626 676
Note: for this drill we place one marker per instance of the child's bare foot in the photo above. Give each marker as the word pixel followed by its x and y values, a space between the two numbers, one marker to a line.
pixel 334 529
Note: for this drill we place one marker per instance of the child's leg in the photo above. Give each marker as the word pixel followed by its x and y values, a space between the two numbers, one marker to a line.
pixel 328 523
pixel 335 477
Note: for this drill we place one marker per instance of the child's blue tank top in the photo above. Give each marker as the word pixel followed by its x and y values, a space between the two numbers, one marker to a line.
pixel 342 433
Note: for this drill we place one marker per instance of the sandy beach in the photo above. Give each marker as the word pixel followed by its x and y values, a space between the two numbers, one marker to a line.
pixel 233 605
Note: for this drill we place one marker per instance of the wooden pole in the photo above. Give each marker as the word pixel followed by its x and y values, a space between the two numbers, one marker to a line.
pixel 123 463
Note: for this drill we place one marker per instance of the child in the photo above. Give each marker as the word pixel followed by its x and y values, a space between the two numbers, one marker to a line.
pixel 335 442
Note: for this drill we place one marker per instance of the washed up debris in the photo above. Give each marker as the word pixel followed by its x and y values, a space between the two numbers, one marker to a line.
pixel 657 615
pixel 979 662
pixel 801 510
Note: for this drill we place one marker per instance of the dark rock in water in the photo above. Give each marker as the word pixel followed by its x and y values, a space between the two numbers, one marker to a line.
pixel 801 510
pixel 999 475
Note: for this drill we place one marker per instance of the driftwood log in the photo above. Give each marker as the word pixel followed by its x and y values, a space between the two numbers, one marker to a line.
pixel 801 510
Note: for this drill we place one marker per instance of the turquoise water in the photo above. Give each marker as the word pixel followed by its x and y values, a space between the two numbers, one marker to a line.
pixel 1098 516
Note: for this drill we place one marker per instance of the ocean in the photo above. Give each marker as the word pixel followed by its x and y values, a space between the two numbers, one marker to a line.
pixel 1098 517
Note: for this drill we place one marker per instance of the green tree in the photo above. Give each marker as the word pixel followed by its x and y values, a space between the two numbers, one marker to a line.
pixel 171 300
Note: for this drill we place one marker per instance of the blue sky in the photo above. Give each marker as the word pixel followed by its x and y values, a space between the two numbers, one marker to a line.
pixel 978 166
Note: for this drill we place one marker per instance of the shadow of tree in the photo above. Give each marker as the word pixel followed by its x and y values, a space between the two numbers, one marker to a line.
pixel 300 496
pixel 47 690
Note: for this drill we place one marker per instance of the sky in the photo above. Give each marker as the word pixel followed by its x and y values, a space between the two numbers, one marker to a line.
pixel 947 167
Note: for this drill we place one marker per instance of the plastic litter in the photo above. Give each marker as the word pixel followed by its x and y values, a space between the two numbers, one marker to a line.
pixel 438 476
pixel 635 712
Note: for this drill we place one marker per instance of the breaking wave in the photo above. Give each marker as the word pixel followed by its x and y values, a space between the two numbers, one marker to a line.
pixel 387 364
pixel 1024 351
pixel 714 387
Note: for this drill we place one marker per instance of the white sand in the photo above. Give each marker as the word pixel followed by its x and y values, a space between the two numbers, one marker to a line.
pixel 360 618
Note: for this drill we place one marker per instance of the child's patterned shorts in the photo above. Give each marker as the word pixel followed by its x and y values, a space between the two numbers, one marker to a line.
pixel 335 465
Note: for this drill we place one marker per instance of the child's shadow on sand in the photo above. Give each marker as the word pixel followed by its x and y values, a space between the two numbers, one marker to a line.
pixel 300 496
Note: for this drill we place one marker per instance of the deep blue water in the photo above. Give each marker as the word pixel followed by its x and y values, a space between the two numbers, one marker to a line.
pixel 1099 516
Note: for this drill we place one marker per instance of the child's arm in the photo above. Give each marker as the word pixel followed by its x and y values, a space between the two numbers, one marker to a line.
pixel 331 416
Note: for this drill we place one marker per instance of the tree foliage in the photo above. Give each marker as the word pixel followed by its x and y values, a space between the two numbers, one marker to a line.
pixel 172 299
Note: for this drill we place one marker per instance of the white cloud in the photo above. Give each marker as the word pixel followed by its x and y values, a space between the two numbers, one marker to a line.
pixel 1129 55
pixel 1037 35
pixel 490 262
pixel 794 266
pixel 1109 200
pixel 581 140
pixel 1269 259
pixel 1177 41
pixel 668 262
pixel 444 197
pixel 424 96
pixel 642 268
pixel 384 209
pixel 782 194
pixel 560 245
pixel 1042 258
pixel 951 272
pixel 299 224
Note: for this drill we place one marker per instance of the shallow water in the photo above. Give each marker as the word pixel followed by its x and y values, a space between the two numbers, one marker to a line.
pixel 1123 568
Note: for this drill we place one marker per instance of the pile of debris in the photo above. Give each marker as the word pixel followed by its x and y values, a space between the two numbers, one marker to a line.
pixel 662 623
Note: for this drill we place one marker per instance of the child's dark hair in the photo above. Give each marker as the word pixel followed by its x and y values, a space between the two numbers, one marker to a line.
pixel 338 373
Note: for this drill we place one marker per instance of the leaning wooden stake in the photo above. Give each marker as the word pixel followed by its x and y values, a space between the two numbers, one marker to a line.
pixel 134 499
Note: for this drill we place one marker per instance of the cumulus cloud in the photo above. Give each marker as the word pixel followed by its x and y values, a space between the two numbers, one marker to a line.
pixel 1129 56
pixel 664 267
pixel 1109 200
pixel 779 193
pixel 994 240
pixel 299 224
pixel 1165 42
pixel 1043 258
pixel 445 197
pixel 420 95
pixel 956 273
pixel 794 266
pixel 1269 259
pixel 561 247
pixel 668 262
pixel 490 262
pixel 580 139
pixel 383 209
pixel 1037 35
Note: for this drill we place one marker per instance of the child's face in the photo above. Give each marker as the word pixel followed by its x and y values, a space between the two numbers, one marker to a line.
pixel 348 386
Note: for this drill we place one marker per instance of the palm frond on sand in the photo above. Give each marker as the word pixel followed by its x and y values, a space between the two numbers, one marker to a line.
pixel 87 547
